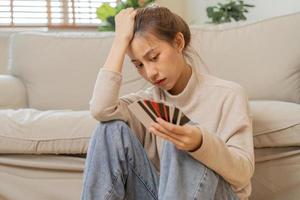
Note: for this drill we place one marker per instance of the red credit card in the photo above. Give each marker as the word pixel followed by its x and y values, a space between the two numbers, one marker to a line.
pixel 147 110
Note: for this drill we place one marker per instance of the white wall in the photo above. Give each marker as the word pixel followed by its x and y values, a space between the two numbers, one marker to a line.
pixel 177 6
pixel 194 11
pixel 271 8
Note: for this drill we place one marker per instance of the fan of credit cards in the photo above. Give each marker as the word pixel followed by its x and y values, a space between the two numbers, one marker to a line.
pixel 147 111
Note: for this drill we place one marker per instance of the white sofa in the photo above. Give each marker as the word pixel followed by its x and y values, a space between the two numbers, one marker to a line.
pixel 45 125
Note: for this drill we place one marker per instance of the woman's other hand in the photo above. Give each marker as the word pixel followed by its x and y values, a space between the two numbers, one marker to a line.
pixel 124 32
pixel 124 21
pixel 187 137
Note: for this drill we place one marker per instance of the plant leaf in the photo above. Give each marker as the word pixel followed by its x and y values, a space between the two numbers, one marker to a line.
pixel 105 28
pixel 210 11
pixel 105 10
pixel 234 9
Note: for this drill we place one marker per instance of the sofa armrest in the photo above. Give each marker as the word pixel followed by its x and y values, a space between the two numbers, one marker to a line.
pixel 12 92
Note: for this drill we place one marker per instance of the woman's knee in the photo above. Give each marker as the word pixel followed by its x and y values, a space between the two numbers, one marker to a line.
pixel 112 131
pixel 113 123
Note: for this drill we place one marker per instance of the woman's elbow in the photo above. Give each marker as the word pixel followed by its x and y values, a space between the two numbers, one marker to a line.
pixel 245 177
pixel 97 113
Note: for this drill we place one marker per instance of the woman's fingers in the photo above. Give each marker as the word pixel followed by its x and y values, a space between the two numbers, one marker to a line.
pixel 177 129
pixel 165 131
pixel 184 137
pixel 179 138
pixel 124 22
pixel 176 141
pixel 128 11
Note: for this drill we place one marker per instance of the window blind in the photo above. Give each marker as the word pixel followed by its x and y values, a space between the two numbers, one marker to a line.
pixel 50 13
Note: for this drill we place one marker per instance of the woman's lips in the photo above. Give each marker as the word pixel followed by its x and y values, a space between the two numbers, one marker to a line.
pixel 160 82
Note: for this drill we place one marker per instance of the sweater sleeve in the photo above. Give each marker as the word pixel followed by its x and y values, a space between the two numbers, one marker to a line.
pixel 106 105
pixel 229 151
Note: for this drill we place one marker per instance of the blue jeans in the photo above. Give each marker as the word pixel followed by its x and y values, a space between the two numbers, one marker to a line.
pixel 117 167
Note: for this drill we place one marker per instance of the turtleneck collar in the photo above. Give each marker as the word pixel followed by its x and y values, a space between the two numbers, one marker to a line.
pixel 184 96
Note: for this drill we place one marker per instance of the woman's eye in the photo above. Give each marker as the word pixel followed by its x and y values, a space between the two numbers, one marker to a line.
pixel 154 57
pixel 139 65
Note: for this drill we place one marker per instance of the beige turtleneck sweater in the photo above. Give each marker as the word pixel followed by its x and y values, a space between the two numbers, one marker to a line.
pixel 220 108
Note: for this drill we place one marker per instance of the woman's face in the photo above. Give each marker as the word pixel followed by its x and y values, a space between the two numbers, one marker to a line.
pixel 156 60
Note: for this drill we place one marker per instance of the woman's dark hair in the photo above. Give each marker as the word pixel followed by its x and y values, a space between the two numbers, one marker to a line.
pixel 164 24
pixel 161 22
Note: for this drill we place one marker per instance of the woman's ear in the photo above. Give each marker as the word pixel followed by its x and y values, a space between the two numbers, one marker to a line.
pixel 179 42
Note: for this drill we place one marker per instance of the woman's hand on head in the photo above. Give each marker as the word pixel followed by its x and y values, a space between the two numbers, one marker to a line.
pixel 124 22
pixel 187 137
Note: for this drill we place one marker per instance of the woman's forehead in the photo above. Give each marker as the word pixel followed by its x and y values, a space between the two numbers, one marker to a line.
pixel 141 44
pixel 142 41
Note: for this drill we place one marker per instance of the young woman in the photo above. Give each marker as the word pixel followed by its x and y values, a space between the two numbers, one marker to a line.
pixel 209 158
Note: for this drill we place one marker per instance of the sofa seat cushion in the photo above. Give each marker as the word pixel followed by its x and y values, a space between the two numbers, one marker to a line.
pixel 31 131
pixel 275 123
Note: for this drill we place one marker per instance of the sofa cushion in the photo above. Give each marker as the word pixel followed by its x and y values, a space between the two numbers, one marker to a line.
pixel 60 69
pixel 31 131
pixel 3 51
pixel 264 57
pixel 12 93
pixel 275 123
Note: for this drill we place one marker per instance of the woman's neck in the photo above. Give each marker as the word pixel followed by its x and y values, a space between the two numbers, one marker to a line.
pixel 182 80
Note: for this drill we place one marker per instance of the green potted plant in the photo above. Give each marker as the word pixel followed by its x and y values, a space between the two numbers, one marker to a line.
pixel 225 12
pixel 106 13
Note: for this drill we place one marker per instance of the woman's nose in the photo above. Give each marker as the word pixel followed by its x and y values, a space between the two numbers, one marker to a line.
pixel 152 73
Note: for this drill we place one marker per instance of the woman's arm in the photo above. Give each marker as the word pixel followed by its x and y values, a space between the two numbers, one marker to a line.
pixel 229 151
pixel 105 103
pixel 116 56
pixel 123 35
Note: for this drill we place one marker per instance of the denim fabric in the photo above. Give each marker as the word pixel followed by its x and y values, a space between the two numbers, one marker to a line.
pixel 117 167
